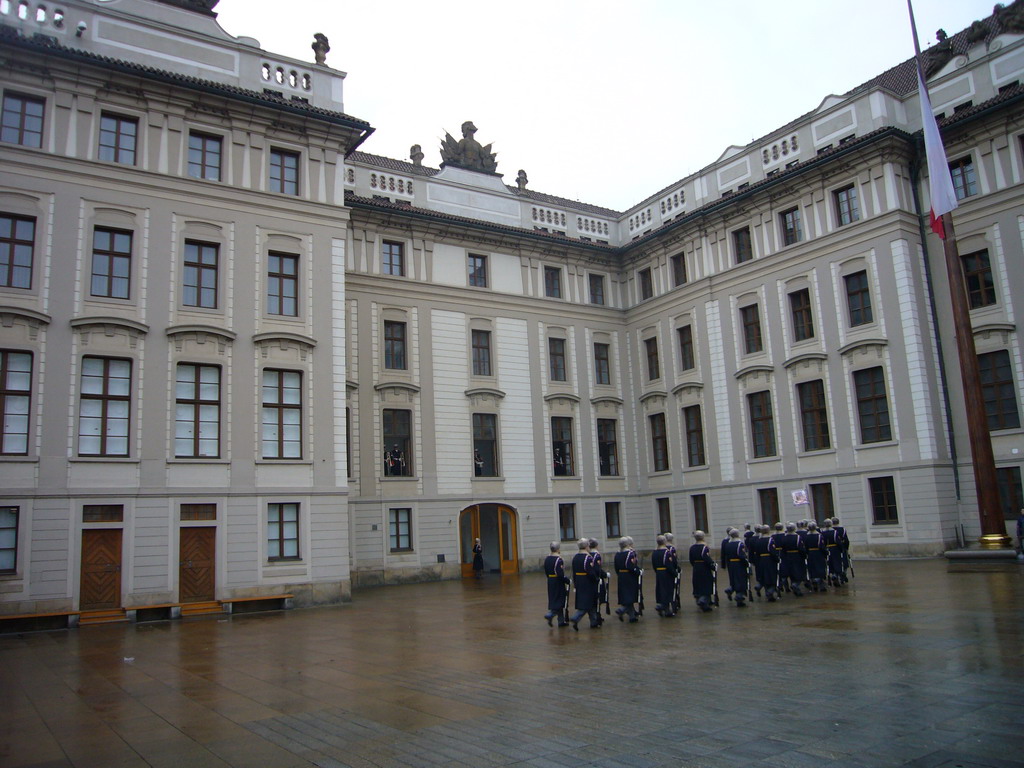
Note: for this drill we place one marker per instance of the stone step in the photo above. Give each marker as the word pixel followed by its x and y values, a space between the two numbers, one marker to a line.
pixel 110 616
pixel 200 609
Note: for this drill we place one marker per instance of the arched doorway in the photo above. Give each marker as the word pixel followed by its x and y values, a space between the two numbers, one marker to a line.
pixel 497 528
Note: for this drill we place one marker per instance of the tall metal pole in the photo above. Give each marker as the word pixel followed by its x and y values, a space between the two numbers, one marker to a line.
pixel 993 528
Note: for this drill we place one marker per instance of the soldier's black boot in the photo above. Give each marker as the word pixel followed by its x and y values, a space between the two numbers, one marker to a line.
pixel 549 616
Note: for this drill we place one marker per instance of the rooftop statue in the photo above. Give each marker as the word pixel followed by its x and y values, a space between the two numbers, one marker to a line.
pixel 416 155
pixel 521 180
pixel 467 153
pixel 320 47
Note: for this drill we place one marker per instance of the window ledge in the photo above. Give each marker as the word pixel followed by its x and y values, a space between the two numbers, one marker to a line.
pixel 819 452
pixel 763 459
pixel 197 460
pixel 19 459
pixel 103 460
pixel 279 462
pixel 879 444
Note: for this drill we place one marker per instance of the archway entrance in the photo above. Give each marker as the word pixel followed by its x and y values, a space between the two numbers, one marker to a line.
pixel 497 528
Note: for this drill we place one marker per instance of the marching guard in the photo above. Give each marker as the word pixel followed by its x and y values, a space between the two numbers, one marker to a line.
pixel 734 559
pixel 794 554
pixel 833 553
pixel 704 573
pixel 664 579
pixel 844 542
pixel 817 564
pixel 603 580
pixel 766 556
pixel 627 571
pixel 558 586
pixel 584 581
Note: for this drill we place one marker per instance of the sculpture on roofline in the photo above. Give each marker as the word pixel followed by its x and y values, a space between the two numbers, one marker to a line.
pixel 467 153
pixel 416 155
pixel 320 47
pixel 521 180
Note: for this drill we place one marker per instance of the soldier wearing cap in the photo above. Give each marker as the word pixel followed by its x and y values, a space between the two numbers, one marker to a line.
pixel 558 585
pixel 734 559
pixel 664 578
pixel 817 565
pixel 627 572
pixel 833 553
pixel 777 536
pixel 793 555
pixel 844 542
pixel 585 584
pixel 597 564
pixel 703 572
pixel 672 559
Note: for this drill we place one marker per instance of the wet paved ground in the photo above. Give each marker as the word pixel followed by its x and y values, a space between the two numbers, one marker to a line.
pixel 910 665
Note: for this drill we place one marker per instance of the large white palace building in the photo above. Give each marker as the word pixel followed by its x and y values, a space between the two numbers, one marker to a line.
pixel 241 358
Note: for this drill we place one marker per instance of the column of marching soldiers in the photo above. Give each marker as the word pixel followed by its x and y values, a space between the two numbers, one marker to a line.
pixel 791 559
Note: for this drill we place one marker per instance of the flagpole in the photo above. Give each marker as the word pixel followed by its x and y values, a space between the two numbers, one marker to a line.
pixel 993 527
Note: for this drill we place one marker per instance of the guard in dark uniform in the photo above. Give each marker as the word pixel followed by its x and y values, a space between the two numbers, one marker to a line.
pixel 801 531
pixel 793 555
pixel 734 559
pixel 833 553
pixel 766 558
pixel 603 580
pixel 703 572
pixel 844 542
pixel 627 572
pixel 664 579
pixel 558 585
pixel 672 563
pixel 721 549
pixel 585 584
pixel 777 536
pixel 817 565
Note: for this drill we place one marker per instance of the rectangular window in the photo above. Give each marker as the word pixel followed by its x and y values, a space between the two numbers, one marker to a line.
pixel 105 406
pixel 103 513
pixel 653 363
pixel 284 172
pixel 679 276
pixel 700 512
pixel 556 358
pixel 768 499
pixel 21 121
pixel 792 232
pixel 394 345
pixel 1011 495
pixel 561 446
pixel 602 364
pixel 283 284
pixel 481 353
pixel 202 262
pixel 477 270
pixel 612 526
pixel 393 258
pixel 485 445
pixel 686 359
pixel 607 447
pixel 111 263
pixel 596 289
pixel 17 251
pixel 762 424
pixel 694 426
pixel 400 529
pixel 742 245
pixel 751 320
pixel 553 282
pixel 664 515
pixel 646 284
pixel 15 401
pixel 197 411
pixel 872 405
pixel 204 156
pixel 659 442
pixel 814 415
pixel 883 500
pixel 803 319
pixel 283 531
pixel 282 414
pixel 821 501
pixel 118 135
pixel 998 390
pixel 190 512
pixel 858 298
pixel 981 287
pixel 9 539
pixel 965 183
pixel 847 207
pixel 397 434
pixel 567 522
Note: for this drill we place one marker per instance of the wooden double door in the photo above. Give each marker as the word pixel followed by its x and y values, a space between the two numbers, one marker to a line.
pixel 496 526
pixel 197 571
pixel 101 570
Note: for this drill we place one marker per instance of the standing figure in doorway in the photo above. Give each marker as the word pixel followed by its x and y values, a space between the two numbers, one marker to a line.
pixel 478 559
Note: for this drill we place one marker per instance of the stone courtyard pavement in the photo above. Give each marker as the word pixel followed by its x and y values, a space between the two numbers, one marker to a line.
pixel 915 663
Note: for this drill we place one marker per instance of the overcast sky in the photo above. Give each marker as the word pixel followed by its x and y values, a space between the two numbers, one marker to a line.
pixel 600 101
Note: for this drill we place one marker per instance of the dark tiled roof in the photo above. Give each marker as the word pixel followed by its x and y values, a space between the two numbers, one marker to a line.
pixel 47 45
pixel 367 202
pixel 398 166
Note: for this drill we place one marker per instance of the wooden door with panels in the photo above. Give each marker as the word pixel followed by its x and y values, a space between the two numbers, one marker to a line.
pixel 101 570
pixel 197 564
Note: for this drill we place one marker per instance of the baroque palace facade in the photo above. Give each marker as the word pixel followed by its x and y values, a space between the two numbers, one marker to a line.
pixel 242 359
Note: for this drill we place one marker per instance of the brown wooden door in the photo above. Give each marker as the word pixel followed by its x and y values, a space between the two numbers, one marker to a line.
pixel 101 570
pixel 196 569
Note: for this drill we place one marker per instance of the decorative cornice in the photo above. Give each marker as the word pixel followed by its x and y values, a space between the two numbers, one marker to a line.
pixel 751 370
pixel 806 357
pixel 687 386
pixel 475 391
pixel 561 396
pixel 606 399
pixel 862 344
pixel 401 385
pixel 8 313
pixel 222 333
pixel 103 321
pixel 654 393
